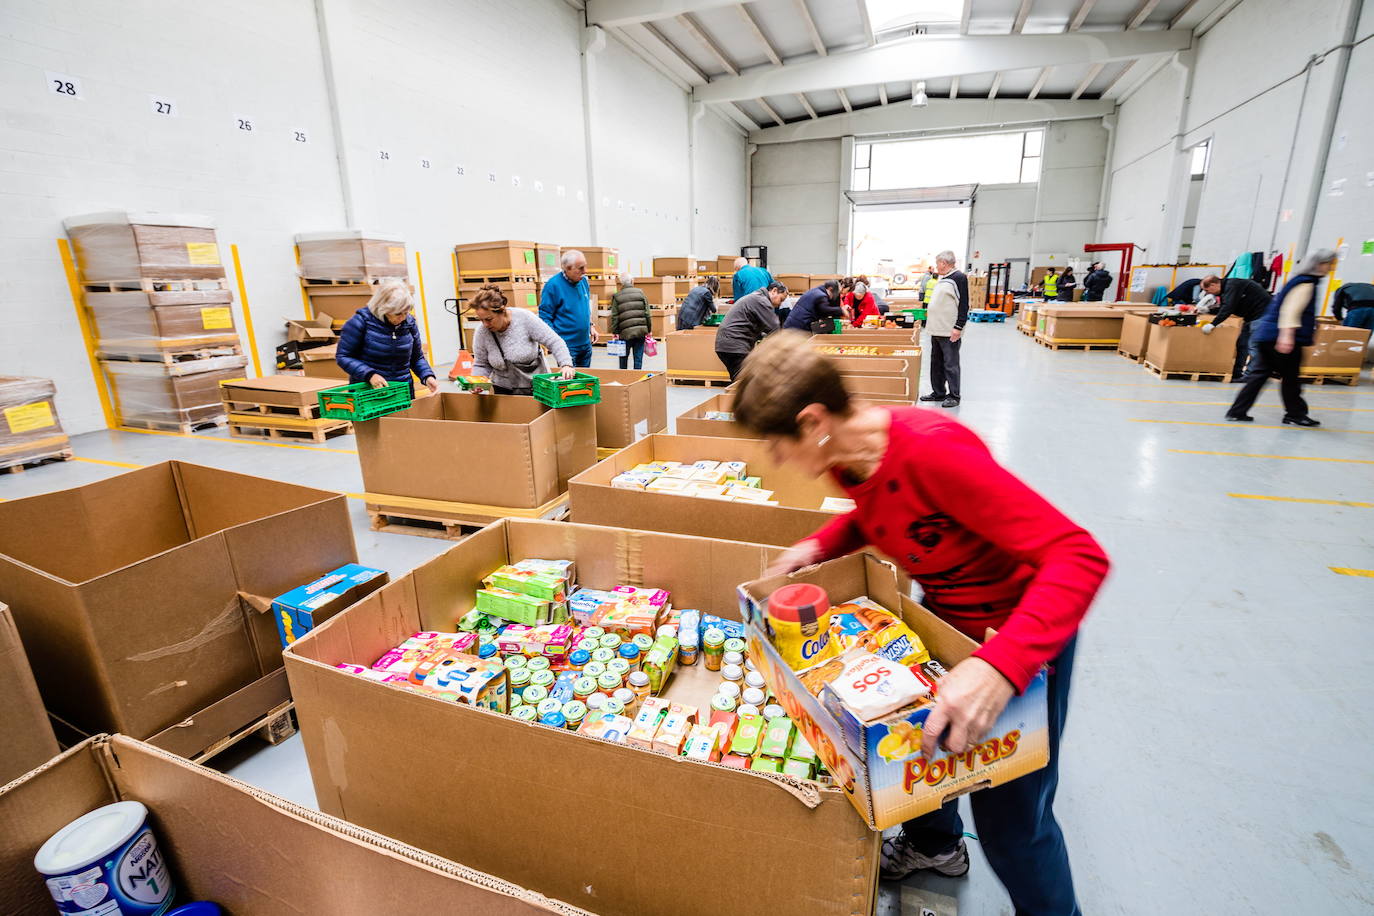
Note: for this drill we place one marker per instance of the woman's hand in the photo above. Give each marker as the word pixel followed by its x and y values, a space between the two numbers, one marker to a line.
pixel 799 555
pixel 432 384
pixel 568 372
pixel 376 381
pixel 971 698
pixel 1288 337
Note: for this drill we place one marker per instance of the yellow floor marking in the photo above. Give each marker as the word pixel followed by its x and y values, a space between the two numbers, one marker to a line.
pixel 1186 451
pixel 1221 404
pixel 1361 432
pixel 231 441
pixel 1347 571
pixel 113 464
pixel 1300 499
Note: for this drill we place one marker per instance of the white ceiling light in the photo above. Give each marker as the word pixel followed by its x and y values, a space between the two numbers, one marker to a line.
pixel 918 95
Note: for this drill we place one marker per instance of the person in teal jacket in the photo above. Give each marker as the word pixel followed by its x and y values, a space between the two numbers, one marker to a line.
pixel 747 279
pixel 565 305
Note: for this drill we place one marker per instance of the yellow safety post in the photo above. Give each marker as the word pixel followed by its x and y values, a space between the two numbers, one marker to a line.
pixel 74 285
pixel 247 314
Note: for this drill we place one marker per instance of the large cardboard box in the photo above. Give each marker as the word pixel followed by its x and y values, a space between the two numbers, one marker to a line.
pixel 694 422
pixel 799 497
pixel 121 245
pixel 519 294
pixel 1187 349
pixel 662 322
pixel 285 391
pixel 1135 336
pixel 318 331
pixel 23 721
pixel 143 393
pixel 320 362
pixel 692 354
pixel 501 259
pixel 796 283
pixel 128 591
pixel 338 303
pixel 134 327
pixel 546 260
pixel 634 404
pixel 29 427
pixel 890 784
pixel 675 267
pixel 351 254
pixel 249 851
pixel 1336 351
pixel 497 450
pixel 1080 324
pixel 658 290
pixel 907 368
pixel 628 831
pixel 601 262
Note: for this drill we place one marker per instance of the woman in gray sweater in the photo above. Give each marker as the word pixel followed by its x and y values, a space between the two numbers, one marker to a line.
pixel 505 348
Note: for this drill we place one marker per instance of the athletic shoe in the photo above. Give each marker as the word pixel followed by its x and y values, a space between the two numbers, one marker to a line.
pixel 900 859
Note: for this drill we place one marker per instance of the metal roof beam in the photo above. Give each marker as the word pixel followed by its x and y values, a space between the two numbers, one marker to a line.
pixel 938 115
pixel 816 41
pixel 954 88
pixel 996 85
pixel 965 16
pixel 1040 82
pixel 689 22
pixel 608 13
pixel 844 100
pixel 930 57
pixel 1087 81
pixel 758 33
pixel 763 103
pixel 1142 13
pixel 1022 15
pixel 806 103
pixel 1084 9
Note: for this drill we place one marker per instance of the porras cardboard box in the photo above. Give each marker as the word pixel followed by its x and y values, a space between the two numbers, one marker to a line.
pixel 799 497
pixel 880 765
pixel 527 451
pixel 28 736
pixel 1186 349
pixel 634 404
pixel 249 851
pixel 906 368
pixel 128 592
pixel 1080 324
pixel 618 830
pixel 692 354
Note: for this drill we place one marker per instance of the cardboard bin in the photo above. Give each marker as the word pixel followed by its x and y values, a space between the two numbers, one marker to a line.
pixel 888 785
pixel 1135 336
pixel 658 290
pixel 799 497
pixel 338 303
pixel 694 423
pixel 1079 324
pixel 634 404
pixel 662 322
pixel 601 262
pixel 626 831
pixel 24 722
pixel 1336 351
pixel 692 354
pixel 128 591
pixel 1187 349
pixel 490 450
pixel 249 851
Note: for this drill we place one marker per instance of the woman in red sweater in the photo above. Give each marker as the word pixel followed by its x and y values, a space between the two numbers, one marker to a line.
pixel 860 303
pixel 987 550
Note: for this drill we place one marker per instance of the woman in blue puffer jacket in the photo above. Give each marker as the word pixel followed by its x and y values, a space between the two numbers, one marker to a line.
pixel 381 342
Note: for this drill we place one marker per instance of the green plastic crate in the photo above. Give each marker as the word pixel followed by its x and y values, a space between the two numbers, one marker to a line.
pixel 363 402
pixel 918 314
pixel 712 321
pixel 553 390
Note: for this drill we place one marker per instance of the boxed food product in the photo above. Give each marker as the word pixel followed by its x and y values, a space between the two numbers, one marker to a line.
pixel 307 606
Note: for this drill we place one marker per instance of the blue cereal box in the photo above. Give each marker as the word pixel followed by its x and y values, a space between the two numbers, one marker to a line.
pixel 303 608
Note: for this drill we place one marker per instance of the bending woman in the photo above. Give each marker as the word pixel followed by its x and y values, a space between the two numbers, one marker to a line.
pixel 505 348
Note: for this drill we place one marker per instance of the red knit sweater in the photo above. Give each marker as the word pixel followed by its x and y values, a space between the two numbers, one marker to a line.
pixel 988 550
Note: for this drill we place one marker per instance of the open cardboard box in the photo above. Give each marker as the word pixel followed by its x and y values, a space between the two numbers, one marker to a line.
pixel 694 423
pixel 596 502
pixel 890 784
pixel 318 331
pixel 28 737
pixel 1080 324
pixel 617 829
pixel 129 591
pixel 491 450
pixel 249 851
pixel 632 408
pixel 1135 335
pixel 692 354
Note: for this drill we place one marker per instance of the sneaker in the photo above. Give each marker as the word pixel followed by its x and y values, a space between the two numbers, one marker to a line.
pixel 1243 418
pixel 1301 421
pixel 900 859
pixel 933 397
pixel 950 402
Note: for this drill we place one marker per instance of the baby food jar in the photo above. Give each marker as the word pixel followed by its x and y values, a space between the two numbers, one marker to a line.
pixel 754 696
pixel 619 666
pixel 593 633
pixel 594 669
pixel 578 658
pixel 723 703
pixel 514 661
pixel 595 701
pixel 733 658
pixel 515 701
pixel 587 645
pixel 668 629
pixel 728 689
pixel 610 641
pixel 547 706
pixel 732 673
pixel 543 679
pixel 609 683
pixel 630 653
pixel 735 644
pixel 603 655
pixel 554 720
pixel 533 696
pixel 575 711
pixel 538 663
pixel 486 650
pixel 639 683
pixel 519 678
pixel 754 679
pixel 584 687
pixel 644 641
pixel 773 711
pixel 525 714
pixel 625 697
pixel 747 709
pixel 713 648
pixel 611 706
pixel 687 654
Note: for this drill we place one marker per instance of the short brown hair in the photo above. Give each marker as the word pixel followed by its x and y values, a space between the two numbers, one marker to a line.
pixel 489 297
pixel 782 377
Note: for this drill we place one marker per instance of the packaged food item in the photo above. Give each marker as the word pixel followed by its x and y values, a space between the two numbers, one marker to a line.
pixel 799 618
pixel 603 655
pixel 773 711
pixel 672 733
pixel 638 682
pixel 574 712
pixel 710 476
pixel 679 473
pixel 705 465
pixel 703 490
pixel 732 629
pixel 816 677
pixel 748 709
pixel 743 494
pixel 629 480
pixel 735 659
pixel 723 702
pixel 487 650
pixel 667 484
pixel 552 639
pixel 798 768
pixel 584 687
pixel 594 669
pixel 667 629
pixel 548 705
pixel 871 687
pixel 728 689
pixel 538 663
pixel 748 735
pixel 713 648
pixel 732 673
pixel 735 760
pixel 527 581
pixel 515 701
pixel 631 654
pixel 766 765
pixel 618 666
pixel 533 696
pixel 753 696
pixel 627 700
pixel 609 683
pixel 751 481
pixel 754 679
pixel 736 645
pixel 554 720
pixel 611 706
pixel 863 623
pixel 609 727
pixel 724 721
pixel 703 743
pixel 610 640
pixel 643 641
pixel 509 605
pixel 646 722
pixel 689 636
pixel 777 737
pixel 464 678
pixel 543 679
pixel 584 604
pixel 525 714
pixel 578 658
pixel 660 661
pixel 734 470
pixel 802 750
pixel 519 677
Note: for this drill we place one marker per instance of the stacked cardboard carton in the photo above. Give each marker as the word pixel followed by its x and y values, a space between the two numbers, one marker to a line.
pixel 159 304
pixel 29 428
pixel 351 254
pixel 1337 354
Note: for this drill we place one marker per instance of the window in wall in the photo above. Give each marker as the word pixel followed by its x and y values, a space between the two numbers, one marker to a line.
pixel 1004 158
pixel 1200 159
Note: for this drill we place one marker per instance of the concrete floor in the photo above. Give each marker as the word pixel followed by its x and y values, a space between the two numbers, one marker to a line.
pixel 1217 756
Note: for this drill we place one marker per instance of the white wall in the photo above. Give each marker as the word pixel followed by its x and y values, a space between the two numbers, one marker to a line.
pixel 1001 224
pixel 796 193
pixel 419 79
pixel 1070 188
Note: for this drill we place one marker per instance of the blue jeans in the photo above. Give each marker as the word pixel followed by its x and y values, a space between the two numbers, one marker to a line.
pixel 634 348
pixel 1016 824
pixel 581 355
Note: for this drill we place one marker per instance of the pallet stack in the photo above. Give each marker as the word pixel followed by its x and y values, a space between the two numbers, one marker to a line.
pixel 158 303
pixel 723 269
pixel 603 266
pixel 280 407
pixel 30 432
pixel 684 272
pixel 339 270
pixel 518 269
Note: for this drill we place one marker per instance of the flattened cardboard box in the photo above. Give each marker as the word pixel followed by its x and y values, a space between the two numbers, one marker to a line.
pixel 127 591
pixel 520 780
pixel 249 851
pixel 596 502
pixel 277 390
pixel 632 409
pixel 887 778
pixel 529 451
pixel 29 740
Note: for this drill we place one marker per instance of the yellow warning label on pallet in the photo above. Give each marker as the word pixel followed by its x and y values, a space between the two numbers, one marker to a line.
pixel 396 254
pixel 202 252
pixel 215 318
pixel 28 417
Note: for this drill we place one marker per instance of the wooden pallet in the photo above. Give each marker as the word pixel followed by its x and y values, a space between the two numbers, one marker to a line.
pixel 155 285
pixel 1324 379
pixel 451 521
pixel 1174 374
pixel 479 277
pixel 368 280
pixel 185 427
pixel 320 433
pixel 703 382
pixel 1028 330
pixel 303 411
pixel 1137 358
pixel 274 728
pixel 1059 343
pixel 24 464
pixel 172 357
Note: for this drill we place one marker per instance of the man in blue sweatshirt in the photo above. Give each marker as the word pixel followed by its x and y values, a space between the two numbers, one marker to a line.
pixel 747 279
pixel 565 306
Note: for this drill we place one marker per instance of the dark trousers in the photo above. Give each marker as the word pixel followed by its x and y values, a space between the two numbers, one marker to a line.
pixel 633 348
pixel 944 366
pixel 1242 350
pixel 1015 822
pixel 1092 295
pixel 581 355
pixel 1264 361
pixel 732 361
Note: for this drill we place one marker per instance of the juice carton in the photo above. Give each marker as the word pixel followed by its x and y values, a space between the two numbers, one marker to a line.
pixel 562 689
pixel 732 629
pixel 509 605
pixel 734 470
pixel 646 723
pixel 725 722
pixel 667 485
pixel 751 481
pixel 802 751
pixel 703 743
pixel 536 584
pixel 766 765
pixel 672 733
pixel 434 657
pixel 799 769
pixel 553 639
pixel 660 661
pixel 748 734
pixel 627 480
pixel 777 737
pixel 743 494
pixel 584 604
pixel 735 760
pixel 604 725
